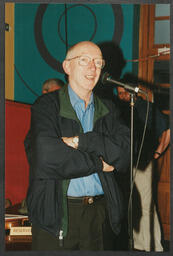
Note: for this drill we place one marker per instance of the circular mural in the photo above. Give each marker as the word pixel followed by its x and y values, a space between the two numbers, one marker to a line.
pixel 87 22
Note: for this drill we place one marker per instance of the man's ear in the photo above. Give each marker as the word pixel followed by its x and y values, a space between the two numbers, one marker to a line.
pixel 66 66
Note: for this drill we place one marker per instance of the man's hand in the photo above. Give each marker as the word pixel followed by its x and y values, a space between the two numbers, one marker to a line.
pixel 164 142
pixel 107 167
pixel 71 141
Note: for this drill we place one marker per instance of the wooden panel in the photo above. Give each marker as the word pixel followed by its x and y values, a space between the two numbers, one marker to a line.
pixel 164 208
pixel 164 201
pixel 143 48
pixel 166 229
pixel 142 45
pixel 163 169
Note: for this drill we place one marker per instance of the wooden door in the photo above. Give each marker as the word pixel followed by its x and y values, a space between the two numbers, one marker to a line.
pixel 153 54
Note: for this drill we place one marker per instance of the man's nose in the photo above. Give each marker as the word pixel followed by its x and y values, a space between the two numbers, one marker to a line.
pixel 92 64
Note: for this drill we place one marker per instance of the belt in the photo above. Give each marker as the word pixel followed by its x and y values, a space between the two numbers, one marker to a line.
pixel 84 199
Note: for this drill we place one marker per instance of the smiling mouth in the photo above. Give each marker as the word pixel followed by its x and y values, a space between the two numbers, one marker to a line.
pixel 90 77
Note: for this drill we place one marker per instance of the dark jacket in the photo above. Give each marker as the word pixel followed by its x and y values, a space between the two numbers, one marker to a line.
pixel 53 163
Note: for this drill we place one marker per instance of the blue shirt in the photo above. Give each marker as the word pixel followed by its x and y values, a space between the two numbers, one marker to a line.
pixel 88 185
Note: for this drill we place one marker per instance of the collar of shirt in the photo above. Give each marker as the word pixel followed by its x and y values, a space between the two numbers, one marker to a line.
pixel 85 115
pixel 75 99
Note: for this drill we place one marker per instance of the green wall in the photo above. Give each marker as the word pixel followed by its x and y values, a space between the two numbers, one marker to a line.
pixel 41 33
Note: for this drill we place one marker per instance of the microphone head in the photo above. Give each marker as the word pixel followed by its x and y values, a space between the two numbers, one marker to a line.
pixel 104 77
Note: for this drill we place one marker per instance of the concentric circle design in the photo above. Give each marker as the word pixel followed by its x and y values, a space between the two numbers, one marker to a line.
pixel 40 42
pixel 49 59
pixel 119 23
pixel 68 9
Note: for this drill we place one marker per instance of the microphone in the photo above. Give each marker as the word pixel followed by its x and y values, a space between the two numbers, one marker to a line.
pixel 106 77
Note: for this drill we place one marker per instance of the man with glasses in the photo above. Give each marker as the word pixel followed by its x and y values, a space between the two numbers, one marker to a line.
pixel 78 142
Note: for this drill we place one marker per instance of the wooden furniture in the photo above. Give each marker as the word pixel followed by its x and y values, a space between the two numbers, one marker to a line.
pixel 16 242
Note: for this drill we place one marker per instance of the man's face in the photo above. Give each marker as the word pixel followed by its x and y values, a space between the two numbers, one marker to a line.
pixel 123 94
pixel 83 78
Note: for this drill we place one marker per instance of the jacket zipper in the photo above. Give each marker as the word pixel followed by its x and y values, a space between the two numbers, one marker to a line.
pixel 60 237
pixel 63 228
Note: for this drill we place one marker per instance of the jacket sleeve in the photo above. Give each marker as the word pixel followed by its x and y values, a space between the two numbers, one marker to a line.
pixel 51 157
pixel 113 145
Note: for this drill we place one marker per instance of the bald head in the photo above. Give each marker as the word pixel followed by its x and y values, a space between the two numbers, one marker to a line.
pixel 51 85
pixel 80 47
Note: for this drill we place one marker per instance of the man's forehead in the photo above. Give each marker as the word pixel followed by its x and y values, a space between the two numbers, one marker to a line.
pixel 83 49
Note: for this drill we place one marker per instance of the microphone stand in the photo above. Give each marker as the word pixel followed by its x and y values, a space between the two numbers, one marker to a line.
pixel 133 91
pixel 130 222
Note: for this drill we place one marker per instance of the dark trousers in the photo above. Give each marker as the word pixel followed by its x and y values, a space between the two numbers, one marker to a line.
pixel 88 229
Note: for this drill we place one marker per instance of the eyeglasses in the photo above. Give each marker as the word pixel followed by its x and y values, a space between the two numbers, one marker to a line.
pixel 85 60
